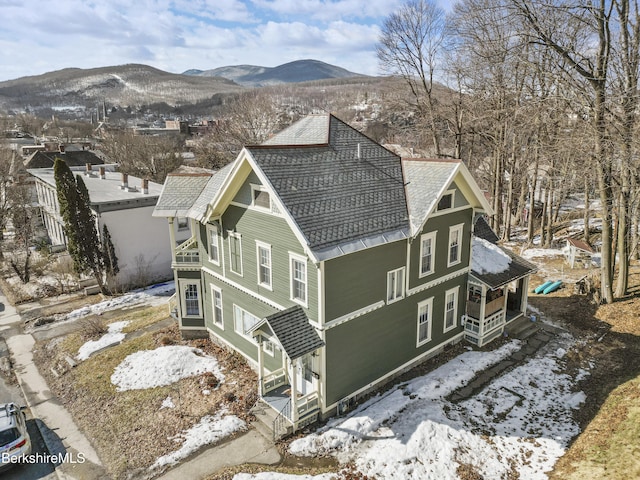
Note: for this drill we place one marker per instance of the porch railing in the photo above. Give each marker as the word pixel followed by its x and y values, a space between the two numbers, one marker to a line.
pixel 187 252
pixel 473 308
pixel 274 380
pixel 308 404
pixel 281 423
pixel 173 305
pixel 480 328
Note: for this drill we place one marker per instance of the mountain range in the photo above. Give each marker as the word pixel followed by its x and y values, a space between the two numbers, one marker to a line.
pixel 135 85
pixel 292 72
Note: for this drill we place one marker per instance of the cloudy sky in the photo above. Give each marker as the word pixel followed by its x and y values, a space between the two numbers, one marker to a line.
pixel 39 36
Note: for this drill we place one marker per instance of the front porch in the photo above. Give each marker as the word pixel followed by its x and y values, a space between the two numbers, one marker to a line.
pixel 292 391
pixel 489 309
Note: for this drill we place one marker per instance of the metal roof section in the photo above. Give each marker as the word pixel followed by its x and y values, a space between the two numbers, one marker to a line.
pixel 343 196
pixel 180 192
pixel 310 130
pixel 481 229
pixel 426 180
pixel 293 331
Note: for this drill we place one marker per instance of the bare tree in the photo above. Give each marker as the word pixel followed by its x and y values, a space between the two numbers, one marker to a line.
pixel 410 43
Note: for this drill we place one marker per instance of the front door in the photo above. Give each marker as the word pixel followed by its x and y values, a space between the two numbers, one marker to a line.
pixel 304 375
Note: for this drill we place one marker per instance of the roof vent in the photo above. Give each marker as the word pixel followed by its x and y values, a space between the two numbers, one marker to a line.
pixel 358 152
pixel 124 185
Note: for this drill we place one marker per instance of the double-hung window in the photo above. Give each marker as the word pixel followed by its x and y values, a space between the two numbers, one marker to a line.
pixel 263 252
pixel 235 253
pixel 216 301
pixel 214 245
pixel 450 308
pixel 427 249
pixel 395 285
pixel 455 245
pixel 298 273
pixel 424 321
pixel 190 296
pixel 243 321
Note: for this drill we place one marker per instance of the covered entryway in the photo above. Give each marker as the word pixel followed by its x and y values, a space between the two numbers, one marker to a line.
pixel 292 390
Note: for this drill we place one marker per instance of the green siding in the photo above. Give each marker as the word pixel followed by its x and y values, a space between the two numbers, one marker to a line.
pixel 366 348
pixel 273 230
pixel 441 224
pixel 359 279
pixel 231 296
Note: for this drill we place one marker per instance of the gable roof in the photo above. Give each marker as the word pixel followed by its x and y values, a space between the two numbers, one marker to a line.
pixel 310 130
pixel 293 331
pixel 344 195
pixel 426 180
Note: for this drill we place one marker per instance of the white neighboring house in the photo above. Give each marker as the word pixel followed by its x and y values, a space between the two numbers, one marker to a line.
pixel 124 204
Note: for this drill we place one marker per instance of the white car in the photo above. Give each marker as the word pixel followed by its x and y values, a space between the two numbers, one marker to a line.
pixel 14 437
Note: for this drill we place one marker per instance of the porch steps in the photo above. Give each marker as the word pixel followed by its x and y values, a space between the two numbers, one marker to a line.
pixel 265 416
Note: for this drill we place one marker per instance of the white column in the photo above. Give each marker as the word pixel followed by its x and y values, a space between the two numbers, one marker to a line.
pixel 294 390
pixel 172 239
pixel 260 368
pixel 483 304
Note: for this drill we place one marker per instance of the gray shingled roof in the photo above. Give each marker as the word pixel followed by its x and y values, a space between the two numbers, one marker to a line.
pixel 482 230
pixel 310 130
pixel 518 268
pixel 179 193
pixel 199 208
pixel 425 179
pixel 293 331
pixel 337 197
pixel 73 158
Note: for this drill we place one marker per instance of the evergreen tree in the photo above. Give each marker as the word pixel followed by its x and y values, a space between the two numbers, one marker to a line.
pixel 83 242
pixel 110 258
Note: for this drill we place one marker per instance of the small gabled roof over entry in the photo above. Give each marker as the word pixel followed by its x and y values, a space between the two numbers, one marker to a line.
pixel 293 331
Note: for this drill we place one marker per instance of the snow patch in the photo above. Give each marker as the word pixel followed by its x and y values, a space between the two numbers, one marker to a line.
pixel 487 257
pixel 163 366
pixel 167 403
pixel 114 335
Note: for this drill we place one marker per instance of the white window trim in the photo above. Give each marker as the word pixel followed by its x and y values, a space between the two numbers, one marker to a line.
pixel 456 292
pixel 213 229
pixel 215 289
pixel 432 236
pixel 429 303
pixel 453 201
pixel 267 247
pixel 459 228
pixel 273 347
pixel 273 208
pixel 239 237
pixel 302 259
pixel 183 301
pixel 403 292
pixel 242 334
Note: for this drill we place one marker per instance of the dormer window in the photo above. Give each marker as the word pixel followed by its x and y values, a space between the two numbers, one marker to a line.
pixel 446 201
pixel 261 199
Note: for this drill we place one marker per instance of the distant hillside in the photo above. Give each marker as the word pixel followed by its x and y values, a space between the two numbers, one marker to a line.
pixel 125 85
pixel 293 72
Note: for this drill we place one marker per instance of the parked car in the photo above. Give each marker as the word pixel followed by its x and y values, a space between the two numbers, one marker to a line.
pixel 14 437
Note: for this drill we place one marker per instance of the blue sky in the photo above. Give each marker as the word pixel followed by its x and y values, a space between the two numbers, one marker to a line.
pixel 39 36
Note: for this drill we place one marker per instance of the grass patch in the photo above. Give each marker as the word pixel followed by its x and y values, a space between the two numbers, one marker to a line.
pixel 608 446
pixel 143 318
pixel 129 429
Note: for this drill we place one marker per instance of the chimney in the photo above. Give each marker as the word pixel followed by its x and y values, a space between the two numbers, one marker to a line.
pixel 125 182
pixel 145 186
pixel 61 148
pixel 103 175
pixel 88 171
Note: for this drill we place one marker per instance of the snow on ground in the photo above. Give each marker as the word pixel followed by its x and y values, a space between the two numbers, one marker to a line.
pixel 153 295
pixel 517 426
pixel 163 366
pixel 487 257
pixel 208 430
pixel 530 253
pixel 114 335
pixel 167 403
pixel 282 476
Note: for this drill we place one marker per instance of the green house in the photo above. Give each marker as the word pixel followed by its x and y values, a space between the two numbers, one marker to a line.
pixel 329 263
